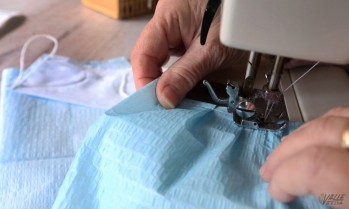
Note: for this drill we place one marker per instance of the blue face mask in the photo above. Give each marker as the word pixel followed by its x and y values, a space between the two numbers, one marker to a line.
pixel 39 138
pixel 140 155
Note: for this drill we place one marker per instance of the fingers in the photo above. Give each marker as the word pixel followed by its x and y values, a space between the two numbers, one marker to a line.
pixel 324 131
pixel 315 170
pixel 151 50
pixel 310 160
pixel 175 29
pixel 148 55
pixel 183 75
pixel 342 111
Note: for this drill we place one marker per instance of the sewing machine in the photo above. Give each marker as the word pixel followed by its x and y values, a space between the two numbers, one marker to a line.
pixel 307 30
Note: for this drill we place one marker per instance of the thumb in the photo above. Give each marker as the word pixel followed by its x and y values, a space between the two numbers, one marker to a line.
pixel 183 75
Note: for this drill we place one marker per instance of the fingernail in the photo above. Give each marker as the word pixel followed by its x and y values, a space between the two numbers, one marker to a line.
pixel 168 97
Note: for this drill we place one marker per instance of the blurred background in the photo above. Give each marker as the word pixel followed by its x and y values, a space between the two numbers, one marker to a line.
pixel 86 30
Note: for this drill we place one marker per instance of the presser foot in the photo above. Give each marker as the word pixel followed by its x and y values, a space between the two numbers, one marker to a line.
pixel 265 109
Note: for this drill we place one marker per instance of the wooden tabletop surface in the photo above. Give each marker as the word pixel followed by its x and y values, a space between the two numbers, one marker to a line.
pixel 83 34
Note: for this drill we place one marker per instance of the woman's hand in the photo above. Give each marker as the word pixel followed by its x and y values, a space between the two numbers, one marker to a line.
pixel 175 30
pixel 311 161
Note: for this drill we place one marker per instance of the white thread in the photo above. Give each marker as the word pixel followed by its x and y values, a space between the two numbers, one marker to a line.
pixel 19 80
pixel 267 111
pixel 300 77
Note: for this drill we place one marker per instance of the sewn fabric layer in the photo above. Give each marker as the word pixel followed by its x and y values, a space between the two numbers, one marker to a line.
pixel 140 155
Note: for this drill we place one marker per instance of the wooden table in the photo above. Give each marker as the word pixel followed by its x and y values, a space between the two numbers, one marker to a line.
pixel 83 34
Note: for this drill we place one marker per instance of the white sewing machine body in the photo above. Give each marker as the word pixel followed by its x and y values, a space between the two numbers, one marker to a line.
pixel 309 30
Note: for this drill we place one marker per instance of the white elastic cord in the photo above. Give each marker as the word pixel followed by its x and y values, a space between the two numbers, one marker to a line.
pixel 122 88
pixel 21 77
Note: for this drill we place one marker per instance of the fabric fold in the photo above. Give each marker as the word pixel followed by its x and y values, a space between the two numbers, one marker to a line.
pixel 39 138
pixel 140 155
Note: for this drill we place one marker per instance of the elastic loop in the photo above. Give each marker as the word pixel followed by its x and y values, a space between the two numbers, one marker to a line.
pixel 122 88
pixel 19 80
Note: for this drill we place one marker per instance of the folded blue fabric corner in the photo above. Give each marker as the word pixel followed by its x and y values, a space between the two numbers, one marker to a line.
pixel 140 155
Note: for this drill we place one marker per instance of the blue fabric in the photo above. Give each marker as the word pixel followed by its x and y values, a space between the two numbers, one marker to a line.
pixel 38 141
pixel 140 155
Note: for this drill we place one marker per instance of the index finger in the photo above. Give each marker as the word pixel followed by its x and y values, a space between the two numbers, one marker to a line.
pixel 151 50
pixel 316 170
pixel 326 131
pixel 148 54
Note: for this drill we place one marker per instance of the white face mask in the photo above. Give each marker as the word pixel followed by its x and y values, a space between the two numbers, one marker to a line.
pixel 60 78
